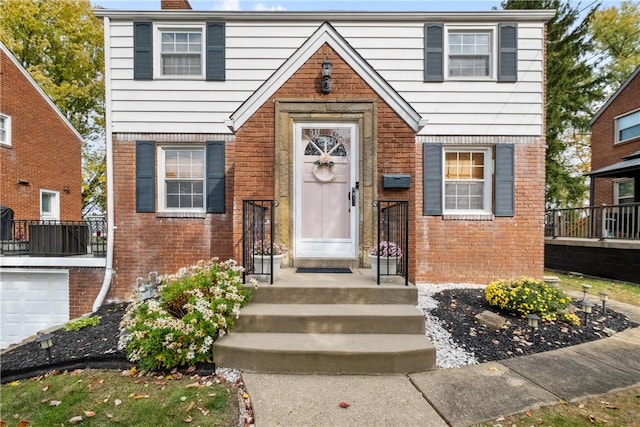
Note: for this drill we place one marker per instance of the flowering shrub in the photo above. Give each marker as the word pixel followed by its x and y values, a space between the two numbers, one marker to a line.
pixel 263 247
pixel 526 296
pixel 388 249
pixel 194 307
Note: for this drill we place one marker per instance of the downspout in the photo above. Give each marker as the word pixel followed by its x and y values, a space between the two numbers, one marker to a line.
pixel 106 283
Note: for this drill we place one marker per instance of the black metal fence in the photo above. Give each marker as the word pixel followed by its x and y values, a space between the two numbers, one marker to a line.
pixel 258 232
pixel 54 238
pixel 393 239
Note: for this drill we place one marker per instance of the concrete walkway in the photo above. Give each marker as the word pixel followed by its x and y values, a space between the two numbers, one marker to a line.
pixel 456 397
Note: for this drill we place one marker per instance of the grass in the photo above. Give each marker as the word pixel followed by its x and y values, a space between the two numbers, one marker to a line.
pixel 614 409
pixel 618 291
pixel 105 398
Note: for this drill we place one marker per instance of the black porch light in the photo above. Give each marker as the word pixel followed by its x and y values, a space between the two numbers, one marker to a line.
pixel 326 76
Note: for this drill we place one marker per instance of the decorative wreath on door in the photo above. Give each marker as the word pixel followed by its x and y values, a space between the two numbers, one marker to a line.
pixel 323 168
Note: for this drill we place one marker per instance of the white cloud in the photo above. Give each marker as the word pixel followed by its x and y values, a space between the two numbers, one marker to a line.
pixel 262 7
pixel 227 5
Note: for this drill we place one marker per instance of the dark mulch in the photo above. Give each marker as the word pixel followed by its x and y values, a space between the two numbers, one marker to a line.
pixel 457 308
pixel 97 346
pixel 94 346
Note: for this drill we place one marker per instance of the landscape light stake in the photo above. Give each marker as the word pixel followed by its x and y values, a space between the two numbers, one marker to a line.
pixel 586 308
pixel 604 296
pixel 533 320
pixel 585 288
pixel 46 341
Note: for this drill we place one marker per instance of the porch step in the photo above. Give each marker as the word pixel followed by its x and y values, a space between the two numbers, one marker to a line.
pixel 332 293
pixel 331 318
pixel 326 353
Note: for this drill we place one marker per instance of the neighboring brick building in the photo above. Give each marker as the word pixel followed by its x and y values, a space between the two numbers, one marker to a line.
pixel 247 114
pixel 41 182
pixel 40 152
pixel 615 146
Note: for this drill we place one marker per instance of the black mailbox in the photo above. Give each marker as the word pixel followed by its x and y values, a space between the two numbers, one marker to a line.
pixel 396 181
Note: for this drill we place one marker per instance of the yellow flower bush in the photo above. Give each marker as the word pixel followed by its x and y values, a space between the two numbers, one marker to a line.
pixel 525 296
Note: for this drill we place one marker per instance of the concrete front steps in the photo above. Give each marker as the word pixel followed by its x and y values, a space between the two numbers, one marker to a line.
pixel 329 329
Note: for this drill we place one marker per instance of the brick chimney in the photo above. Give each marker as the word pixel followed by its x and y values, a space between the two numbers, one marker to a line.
pixel 174 4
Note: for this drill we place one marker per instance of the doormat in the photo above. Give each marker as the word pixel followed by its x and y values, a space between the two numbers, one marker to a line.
pixel 322 270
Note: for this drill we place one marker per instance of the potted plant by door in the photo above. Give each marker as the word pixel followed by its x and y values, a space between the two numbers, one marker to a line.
pixel 389 254
pixel 262 251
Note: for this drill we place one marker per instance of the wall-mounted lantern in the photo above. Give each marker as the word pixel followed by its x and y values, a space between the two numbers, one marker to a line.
pixel 326 76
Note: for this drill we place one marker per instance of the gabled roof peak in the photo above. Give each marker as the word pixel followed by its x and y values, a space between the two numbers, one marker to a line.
pixel 325 33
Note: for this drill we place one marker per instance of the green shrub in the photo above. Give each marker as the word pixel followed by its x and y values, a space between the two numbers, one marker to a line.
pixel 525 296
pixel 82 322
pixel 194 307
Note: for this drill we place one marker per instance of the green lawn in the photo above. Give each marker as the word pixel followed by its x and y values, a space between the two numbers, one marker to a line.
pixel 619 291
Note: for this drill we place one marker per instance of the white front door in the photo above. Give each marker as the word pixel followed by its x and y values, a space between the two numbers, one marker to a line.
pixel 325 189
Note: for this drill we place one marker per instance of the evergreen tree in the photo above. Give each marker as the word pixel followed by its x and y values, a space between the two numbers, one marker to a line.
pixel 572 91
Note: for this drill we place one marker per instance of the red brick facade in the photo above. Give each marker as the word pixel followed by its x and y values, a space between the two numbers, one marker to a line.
pixel 440 250
pixel 603 150
pixel 44 151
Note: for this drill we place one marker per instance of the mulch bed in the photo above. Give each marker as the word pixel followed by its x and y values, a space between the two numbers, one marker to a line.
pixel 97 346
pixel 457 309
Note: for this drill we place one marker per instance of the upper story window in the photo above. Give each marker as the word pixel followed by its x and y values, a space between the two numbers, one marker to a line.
pixel 5 129
pixel 181 52
pixel 484 52
pixel 469 54
pixel 176 50
pixel 628 127
pixel 467 180
pixel 182 178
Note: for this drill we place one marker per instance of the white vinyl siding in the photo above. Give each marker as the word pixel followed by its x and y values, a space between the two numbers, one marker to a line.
pixel 255 50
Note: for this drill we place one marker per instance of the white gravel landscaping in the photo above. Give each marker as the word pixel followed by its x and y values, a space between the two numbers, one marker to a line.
pixel 448 354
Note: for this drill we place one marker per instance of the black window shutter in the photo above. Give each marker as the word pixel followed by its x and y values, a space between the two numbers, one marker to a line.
pixel 433 52
pixel 508 53
pixel 215 51
pixel 215 176
pixel 145 176
pixel 432 179
pixel 505 179
pixel 142 50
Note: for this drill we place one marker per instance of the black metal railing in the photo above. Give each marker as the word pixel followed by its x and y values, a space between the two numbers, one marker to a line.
pixel 594 222
pixel 54 238
pixel 393 239
pixel 258 231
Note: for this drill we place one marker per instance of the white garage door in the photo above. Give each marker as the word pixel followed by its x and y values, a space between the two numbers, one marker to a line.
pixel 31 300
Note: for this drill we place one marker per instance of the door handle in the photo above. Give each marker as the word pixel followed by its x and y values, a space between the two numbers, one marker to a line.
pixel 353 195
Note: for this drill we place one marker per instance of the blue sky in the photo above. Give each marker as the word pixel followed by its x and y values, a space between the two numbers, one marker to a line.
pixel 312 5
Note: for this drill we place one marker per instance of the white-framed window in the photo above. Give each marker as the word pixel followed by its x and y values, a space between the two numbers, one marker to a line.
pixel 623 191
pixel 49 205
pixel 182 178
pixel 470 53
pixel 181 51
pixel 467 180
pixel 5 129
pixel 627 127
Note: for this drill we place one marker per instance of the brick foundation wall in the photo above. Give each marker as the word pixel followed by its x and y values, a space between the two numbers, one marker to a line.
pixel 483 251
pixel 84 286
pixel 147 242
pixel 44 151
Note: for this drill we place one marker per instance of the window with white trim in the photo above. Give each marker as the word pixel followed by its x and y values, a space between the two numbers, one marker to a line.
pixel 467 180
pixel 623 191
pixel 5 129
pixel 469 54
pixel 181 52
pixel 182 179
pixel 49 205
pixel 627 127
